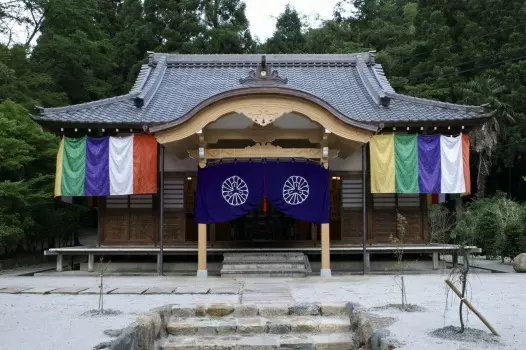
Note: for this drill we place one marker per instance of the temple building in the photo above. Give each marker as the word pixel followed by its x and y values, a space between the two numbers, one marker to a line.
pixel 302 152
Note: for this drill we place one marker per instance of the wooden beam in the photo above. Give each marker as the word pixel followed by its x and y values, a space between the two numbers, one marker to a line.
pixel 263 135
pixel 262 151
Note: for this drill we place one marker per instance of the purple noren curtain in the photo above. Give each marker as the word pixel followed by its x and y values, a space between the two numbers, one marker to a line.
pixel 227 191
pixel 299 189
pixel 429 172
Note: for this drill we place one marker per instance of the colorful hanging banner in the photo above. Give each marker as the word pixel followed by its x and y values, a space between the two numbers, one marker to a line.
pixel 106 166
pixel 420 164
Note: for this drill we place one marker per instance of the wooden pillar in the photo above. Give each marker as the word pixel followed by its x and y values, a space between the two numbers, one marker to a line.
pixel 201 252
pixel 160 262
pixel 91 262
pixel 325 251
pixel 366 259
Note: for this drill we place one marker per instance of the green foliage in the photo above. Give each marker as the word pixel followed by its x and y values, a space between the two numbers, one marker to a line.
pixel 495 224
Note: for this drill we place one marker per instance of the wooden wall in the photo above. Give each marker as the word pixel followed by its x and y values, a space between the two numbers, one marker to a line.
pixel 133 220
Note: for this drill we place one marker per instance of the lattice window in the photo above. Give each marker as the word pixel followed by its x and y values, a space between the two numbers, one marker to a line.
pixel 408 200
pixel 173 193
pixel 389 200
pixel 136 201
pixel 117 202
pixel 352 192
pixel 384 200
pixel 141 201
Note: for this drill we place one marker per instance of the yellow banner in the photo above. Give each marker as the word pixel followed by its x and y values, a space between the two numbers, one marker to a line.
pixel 382 164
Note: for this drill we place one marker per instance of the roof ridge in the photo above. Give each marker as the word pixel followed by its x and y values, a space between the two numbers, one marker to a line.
pixel 90 104
pixel 381 78
pixel 152 84
pixel 378 95
pixel 256 58
pixel 142 78
pixel 435 103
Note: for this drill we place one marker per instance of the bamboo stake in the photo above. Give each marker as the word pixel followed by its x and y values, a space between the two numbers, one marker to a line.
pixel 472 308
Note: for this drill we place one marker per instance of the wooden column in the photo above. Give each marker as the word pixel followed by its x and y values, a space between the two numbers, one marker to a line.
pixel 201 252
pixel 325 251
pixel 160 261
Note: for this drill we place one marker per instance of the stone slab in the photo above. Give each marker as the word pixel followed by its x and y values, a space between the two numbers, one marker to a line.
pixel 128 290
pixel 39 290
pixel 96 290
pixel 225 290
pixel 13 290
pixel 246 311
pixel 251 325
pixel 273 310
pixel 159 290
pixel 192 290
pixel 333 309
pixel 72 290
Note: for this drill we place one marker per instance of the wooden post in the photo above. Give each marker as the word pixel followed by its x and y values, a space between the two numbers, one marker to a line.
pixel 201 252
pixel 435 260
pixel 325 251
pixel 160 262
pixel 91 262
pixel 59 262
pixel 366 263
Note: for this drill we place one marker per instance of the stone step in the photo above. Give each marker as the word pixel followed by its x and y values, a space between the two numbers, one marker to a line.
pixel 261 265
pixel 325 341
pixel 263 273
pixel 210 326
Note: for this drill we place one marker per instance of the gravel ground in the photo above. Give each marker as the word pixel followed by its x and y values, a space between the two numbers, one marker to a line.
pixel 56 321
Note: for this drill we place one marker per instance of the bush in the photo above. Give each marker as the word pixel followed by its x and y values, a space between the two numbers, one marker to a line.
pixel 495 224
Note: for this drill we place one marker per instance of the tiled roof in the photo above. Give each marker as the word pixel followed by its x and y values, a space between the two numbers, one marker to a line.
pixel 170 86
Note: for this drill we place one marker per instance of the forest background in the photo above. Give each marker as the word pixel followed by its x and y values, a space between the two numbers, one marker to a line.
pixel 460 51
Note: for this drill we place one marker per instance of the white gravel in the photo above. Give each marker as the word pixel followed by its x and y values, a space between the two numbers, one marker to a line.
pixel 55 321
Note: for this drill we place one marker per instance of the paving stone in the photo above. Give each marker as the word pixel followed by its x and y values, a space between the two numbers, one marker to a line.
pixel 279 326
pixel 200 310
pixel 181 343
pixel 333 309
pixel 68 290
pixel 192 290
pixel 220 310
pixel 333 341
pixel 13 290
pixel 39 290
pixel 334 325
pixel 206 327
pixel 299 341
pixel 159 290
pixel 226 327
pixel 305 309
pixel 184 311
pixel 96 290
pixel 257 343
pixel 225 290
pixel 181 328
pixel 245 311
pixel 251 325
pixel 273 310
pixel 128 290
pixel 303 324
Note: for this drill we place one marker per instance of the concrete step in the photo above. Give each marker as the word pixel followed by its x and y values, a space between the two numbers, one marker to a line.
pixel 262 257
pixel 264 273
pixel 333 341
pixel 265 265
pixel 262 266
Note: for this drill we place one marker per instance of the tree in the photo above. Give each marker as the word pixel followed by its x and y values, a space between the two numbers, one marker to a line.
pixel 480 91
pixel 288 37
pixel 74 49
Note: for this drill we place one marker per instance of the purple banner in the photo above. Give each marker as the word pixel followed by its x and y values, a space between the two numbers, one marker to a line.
pixel 429 173
pixel 299 189
pixel 227 191
pixel 97 167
